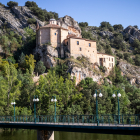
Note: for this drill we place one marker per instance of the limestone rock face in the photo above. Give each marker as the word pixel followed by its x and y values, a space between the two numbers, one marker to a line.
pixel 133 33
pixel 132 72
pixel 16 18
pixel 104 33
pixel 70 24
pixel 81 73
pixel 47 54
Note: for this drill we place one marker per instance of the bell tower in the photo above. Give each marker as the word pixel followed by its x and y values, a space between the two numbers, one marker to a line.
pixel 52 21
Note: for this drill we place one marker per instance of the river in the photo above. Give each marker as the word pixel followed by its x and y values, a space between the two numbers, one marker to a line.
pixel 21 134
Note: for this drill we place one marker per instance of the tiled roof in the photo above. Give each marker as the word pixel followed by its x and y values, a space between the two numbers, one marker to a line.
pixel 82 39
pixel 105 54
pixel 53 26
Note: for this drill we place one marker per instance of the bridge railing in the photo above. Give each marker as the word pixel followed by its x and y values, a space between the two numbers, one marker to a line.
pixel 75 119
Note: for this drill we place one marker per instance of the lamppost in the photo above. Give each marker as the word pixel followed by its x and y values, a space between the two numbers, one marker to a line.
pixel 35 100
pixel 95 96
pixel 13 103
pixel 118 95
pixel 54 100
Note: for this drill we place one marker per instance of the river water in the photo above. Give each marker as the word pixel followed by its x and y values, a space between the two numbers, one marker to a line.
pixel 21 134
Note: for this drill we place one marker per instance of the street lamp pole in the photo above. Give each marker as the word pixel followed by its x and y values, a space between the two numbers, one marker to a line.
pixel 54 100
pixel 95 95
pixel 35 100
pixel 118 95
pixel 13 103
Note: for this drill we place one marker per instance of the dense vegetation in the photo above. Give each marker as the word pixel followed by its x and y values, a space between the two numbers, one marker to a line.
pixel 119 42
pixel 18 65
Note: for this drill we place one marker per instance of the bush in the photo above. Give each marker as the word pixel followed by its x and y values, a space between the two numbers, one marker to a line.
pixel 118 27
pixel 111 29
pixel 120 55
pixel 136 26
pixel 2 4
pixel 83 24
pixel 12 3
pixel 105 25
pixel 31 4
pixel 31 21
pixel 137 60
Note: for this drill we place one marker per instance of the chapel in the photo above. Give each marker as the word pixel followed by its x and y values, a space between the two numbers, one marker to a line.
pixel 65 40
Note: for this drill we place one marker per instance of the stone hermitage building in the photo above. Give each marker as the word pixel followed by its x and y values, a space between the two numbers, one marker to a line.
pixel 70 43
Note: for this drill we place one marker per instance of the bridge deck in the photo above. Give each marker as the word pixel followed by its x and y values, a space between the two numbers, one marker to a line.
pixel 76 127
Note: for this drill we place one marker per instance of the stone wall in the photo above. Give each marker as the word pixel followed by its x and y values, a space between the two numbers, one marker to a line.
pixel 44 36
pixel 55 37
pixel 82 49
pixel 108 61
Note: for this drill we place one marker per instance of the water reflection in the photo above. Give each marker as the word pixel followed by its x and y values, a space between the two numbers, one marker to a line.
pixel 21 134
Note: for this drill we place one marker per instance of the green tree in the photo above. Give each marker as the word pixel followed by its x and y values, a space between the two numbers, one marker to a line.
pixel 108 50
pixel 21 60
pixel 83 24
pixel 13 84
pixel 31 21
pixel 118 27
pixel 31 4
pixel 105 24
pixel 12 3
pixel 137 60
pixel 30 61
pixel 40 68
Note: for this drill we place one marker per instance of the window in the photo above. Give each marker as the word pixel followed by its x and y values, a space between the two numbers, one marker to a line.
pixel 109 58
pixel 112 59
pixel 104 59
pixel 112 65
pixel 89 44
pixel 80 49
pixel 54 33
pixel 77 42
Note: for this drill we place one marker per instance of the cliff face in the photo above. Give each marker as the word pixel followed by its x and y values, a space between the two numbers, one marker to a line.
pixel 133 33
pixel 70 24
pixel 16 18
pixel 130 71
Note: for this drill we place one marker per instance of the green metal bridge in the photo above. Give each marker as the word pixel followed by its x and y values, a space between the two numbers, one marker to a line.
pixel 107 124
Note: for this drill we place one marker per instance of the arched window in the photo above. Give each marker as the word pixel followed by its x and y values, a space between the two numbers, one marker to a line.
pixel 80 49
pixel 89 44
pixel 54 33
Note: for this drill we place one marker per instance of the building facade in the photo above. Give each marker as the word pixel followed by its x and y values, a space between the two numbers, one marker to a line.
pixel 73 44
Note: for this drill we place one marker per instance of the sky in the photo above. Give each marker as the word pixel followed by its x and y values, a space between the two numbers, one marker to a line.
pixel 125 12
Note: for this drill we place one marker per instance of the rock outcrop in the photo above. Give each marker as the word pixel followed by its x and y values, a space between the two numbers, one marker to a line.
pixel 16 18
pixel 108 33
pixel 82 70
pixel 47 54
pixel 70 24
pixel 130 71
pixel 133 33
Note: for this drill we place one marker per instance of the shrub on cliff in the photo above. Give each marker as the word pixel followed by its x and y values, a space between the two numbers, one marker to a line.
pixel 12 3
pixel 118 27
pixel 137 60
pixel 31 21
pixel 31 4
pixel 83 24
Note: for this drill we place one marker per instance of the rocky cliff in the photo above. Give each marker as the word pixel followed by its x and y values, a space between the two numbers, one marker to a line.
pixel 130 71
pixel 16 18
pixel 133 33
pixel 70 24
